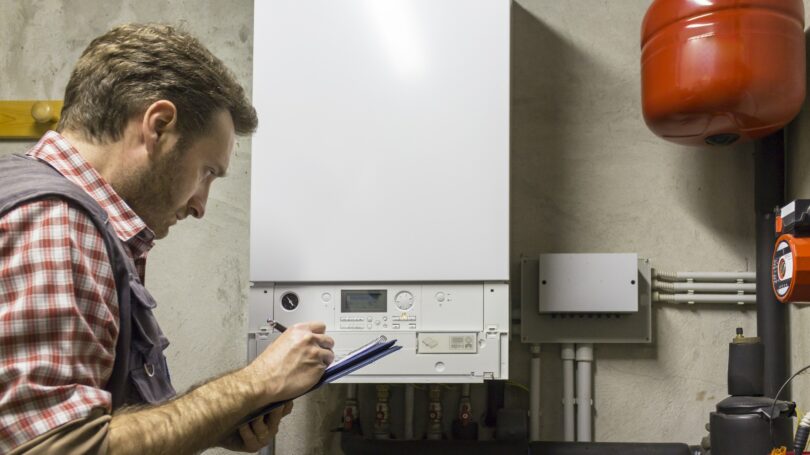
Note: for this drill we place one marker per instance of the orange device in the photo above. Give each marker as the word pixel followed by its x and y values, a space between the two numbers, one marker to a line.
pixel 715 71
pixel 790 267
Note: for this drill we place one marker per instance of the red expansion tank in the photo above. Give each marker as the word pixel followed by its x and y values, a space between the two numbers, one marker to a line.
pixel 715 71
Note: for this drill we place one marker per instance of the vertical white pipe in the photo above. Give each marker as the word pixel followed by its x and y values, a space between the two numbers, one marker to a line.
pixel 534 395
pixel 408 411
pixel 567 354
pixel 584 357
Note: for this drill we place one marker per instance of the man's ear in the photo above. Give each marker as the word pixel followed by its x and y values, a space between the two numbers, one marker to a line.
pixel 158 124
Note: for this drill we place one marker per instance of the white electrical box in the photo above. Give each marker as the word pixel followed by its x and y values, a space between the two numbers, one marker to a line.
pixel 588 283
pixel 380 180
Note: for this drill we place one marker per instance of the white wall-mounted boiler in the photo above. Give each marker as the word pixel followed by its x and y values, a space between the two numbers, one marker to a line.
pixel 380 180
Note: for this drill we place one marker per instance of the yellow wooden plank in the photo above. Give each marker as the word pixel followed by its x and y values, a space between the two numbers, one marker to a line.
pixel 18 122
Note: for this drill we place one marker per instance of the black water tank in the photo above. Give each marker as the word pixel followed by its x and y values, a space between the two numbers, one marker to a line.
pixel 741 426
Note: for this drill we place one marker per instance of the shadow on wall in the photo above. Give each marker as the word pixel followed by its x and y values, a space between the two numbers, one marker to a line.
pixel 540 122
pixel 797 139
pixel 797 161
pixel 715 186
pixel 541 114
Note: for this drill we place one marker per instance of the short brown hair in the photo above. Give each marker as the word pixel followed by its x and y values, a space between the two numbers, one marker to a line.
pixel 125 70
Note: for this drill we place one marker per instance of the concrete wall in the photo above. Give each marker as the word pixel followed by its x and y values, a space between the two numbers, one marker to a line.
pixel 199 273
pixel 587 176
pixel 798 187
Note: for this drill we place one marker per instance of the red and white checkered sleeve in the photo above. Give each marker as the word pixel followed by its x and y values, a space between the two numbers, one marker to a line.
pixel 58 320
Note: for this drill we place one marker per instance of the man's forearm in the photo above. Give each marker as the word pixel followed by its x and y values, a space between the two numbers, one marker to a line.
pixel 188 424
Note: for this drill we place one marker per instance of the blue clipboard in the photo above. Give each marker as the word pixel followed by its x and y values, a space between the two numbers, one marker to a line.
pixel 352 362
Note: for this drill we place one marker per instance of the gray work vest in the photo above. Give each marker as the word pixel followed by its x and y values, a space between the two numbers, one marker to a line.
pixel 140 373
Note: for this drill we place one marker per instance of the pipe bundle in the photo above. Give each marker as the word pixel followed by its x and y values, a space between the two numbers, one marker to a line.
pixel 704 287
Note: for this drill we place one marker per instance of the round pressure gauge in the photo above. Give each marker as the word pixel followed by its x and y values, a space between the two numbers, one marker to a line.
pixel 403 300
pixel 289 301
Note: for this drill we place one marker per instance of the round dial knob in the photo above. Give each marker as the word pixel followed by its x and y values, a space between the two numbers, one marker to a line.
pixel 403 300
pixel 289 301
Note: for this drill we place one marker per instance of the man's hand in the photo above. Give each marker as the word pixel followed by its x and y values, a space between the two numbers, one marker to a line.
pixel 293 363
pixel 206 415
pixel 252 436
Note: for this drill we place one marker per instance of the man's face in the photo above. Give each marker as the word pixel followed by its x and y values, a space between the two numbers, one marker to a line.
pixel 176 183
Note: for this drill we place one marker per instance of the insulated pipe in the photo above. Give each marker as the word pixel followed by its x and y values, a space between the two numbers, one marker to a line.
pixel 772 318
pixel 705 298
pixel 584 357
pixel 409 411
pixel 534 395
pixel 705 276
pixel 673 288
pixel 567 354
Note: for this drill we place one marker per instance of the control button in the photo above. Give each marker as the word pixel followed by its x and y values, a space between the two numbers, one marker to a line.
pixel 411 326
pixel 430 342
pixel 377 322
pixel 385 318
pixel 440 297
pixel 403 316
pixel 369 326
pixel 394 326
pixel 368 319
pixel 403 300
pixel 412 318
pixel 385 326
pixel 326 297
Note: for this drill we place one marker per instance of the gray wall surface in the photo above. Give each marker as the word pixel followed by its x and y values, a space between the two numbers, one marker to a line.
pixel 199 273
pixel 587 176
pixel 798 187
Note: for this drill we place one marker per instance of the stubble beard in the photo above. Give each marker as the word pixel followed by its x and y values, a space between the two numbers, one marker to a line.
pixel 150 192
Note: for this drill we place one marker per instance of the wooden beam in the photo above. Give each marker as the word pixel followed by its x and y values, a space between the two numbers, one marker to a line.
pixel 28 119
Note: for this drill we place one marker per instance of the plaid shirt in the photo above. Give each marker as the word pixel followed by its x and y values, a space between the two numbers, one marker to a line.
pixel 58 305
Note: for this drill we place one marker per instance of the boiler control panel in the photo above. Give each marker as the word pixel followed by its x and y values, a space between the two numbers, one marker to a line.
pixel 458 331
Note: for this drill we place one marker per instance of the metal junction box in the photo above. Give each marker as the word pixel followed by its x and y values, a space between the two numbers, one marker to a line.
pixel 585 298
pixel 588 283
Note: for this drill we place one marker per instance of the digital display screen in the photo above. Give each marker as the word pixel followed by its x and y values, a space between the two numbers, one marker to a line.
pixel 364 301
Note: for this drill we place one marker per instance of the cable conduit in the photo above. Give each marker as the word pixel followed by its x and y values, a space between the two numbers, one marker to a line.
pixel 705 298
pixel 705 276
pixel 675 288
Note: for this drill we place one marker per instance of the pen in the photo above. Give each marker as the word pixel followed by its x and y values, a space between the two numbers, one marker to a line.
pixel 276 325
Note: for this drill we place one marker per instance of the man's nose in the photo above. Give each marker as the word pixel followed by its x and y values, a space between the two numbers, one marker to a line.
pixel 196 206
pixel 196 210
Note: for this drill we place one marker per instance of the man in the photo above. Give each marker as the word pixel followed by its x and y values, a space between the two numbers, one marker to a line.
pixel 149 121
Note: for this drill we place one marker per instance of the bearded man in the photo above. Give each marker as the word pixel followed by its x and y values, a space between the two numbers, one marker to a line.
pixel 149 121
